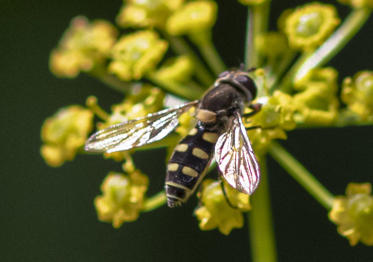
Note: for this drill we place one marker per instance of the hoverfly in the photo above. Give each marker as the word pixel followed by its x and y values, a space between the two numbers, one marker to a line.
pixel 219 130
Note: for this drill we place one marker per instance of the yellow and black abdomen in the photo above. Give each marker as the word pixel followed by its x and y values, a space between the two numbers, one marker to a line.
pixel 187 164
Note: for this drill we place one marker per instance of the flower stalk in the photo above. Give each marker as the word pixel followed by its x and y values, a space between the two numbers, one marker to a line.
pixel 211 55
pixel 301 175
pixel 256 24
pixel 154 202
pixel 181 47
pixel 261 230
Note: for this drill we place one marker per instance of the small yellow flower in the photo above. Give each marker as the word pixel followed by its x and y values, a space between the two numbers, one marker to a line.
pixel 252 2
pixel 186 123
pixel 271 44
pixel 275 116
pixel 179 69
pixel 122 197
pixel 353 214
pixel 357 93
pixel 317 103
pixel 216 212
pixel 136 54
pixel 193 17
pixel 148 13
pixel 82 46
pixel 64 134
pixel 358 3
pixel 307 27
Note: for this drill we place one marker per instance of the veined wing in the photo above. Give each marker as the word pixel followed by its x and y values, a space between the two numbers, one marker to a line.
pixel 235 157
pixel 137 132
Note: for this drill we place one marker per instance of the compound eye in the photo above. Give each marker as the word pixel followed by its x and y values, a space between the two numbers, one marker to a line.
pixel 248 83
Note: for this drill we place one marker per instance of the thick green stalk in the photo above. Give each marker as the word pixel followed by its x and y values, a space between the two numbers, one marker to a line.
pixel 301 175
pixel 181 47
pixel 188 92
pixel 112 81
pixel 154 202
pixel 261 231
pixel 256 24
pixel 209 52
pixel 351 25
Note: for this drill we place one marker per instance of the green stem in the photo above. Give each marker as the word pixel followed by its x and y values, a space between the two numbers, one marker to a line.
pixel 256 24
pixel 275 75
pixel 335 42
pixel 209 52
pixel 154 202
pixel 112 81
pixel 181 47
pixel 301 175
pixel 260 221
pixel 188 92
pixel 287 80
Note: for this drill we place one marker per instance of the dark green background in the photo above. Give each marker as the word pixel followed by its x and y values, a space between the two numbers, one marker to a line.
pixel 47 214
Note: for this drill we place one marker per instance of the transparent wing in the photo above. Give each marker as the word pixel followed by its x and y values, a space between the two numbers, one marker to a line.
pixel 137 132
pixel 235 157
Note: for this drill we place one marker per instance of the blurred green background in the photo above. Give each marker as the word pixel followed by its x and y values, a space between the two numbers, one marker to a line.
pixel 47 214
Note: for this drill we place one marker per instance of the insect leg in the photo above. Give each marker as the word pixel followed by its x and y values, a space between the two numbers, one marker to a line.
pixel 255 107
pixel 226 196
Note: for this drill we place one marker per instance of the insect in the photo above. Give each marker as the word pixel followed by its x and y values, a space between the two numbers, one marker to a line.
pixel 218 131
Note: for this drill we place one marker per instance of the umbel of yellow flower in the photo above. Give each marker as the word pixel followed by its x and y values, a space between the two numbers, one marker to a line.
pixel 177 69
pixel 215 211
pixel 357 93
pixel 192 18
pixel 147 13
pixel 122 197
pixel 136 54
pixel 353 214
pixel 317 103
pixel 64 133
pixel 307 27
pixel 82 46
pixel 275 116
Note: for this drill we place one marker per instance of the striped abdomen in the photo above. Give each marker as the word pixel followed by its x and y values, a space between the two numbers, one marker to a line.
pixel 187 164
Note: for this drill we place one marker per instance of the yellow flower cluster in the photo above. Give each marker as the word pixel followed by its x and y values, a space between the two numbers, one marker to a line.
pixel 215 211
pixel 274 118
pixel 357 93
pixel 353 214
pixel 178 69
pixel 308 26
pixel 193 17
pixel 317 101
pixel 122 197
pixel 136 54
pixel 83 46
pixel 64 134
pixel 148 13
